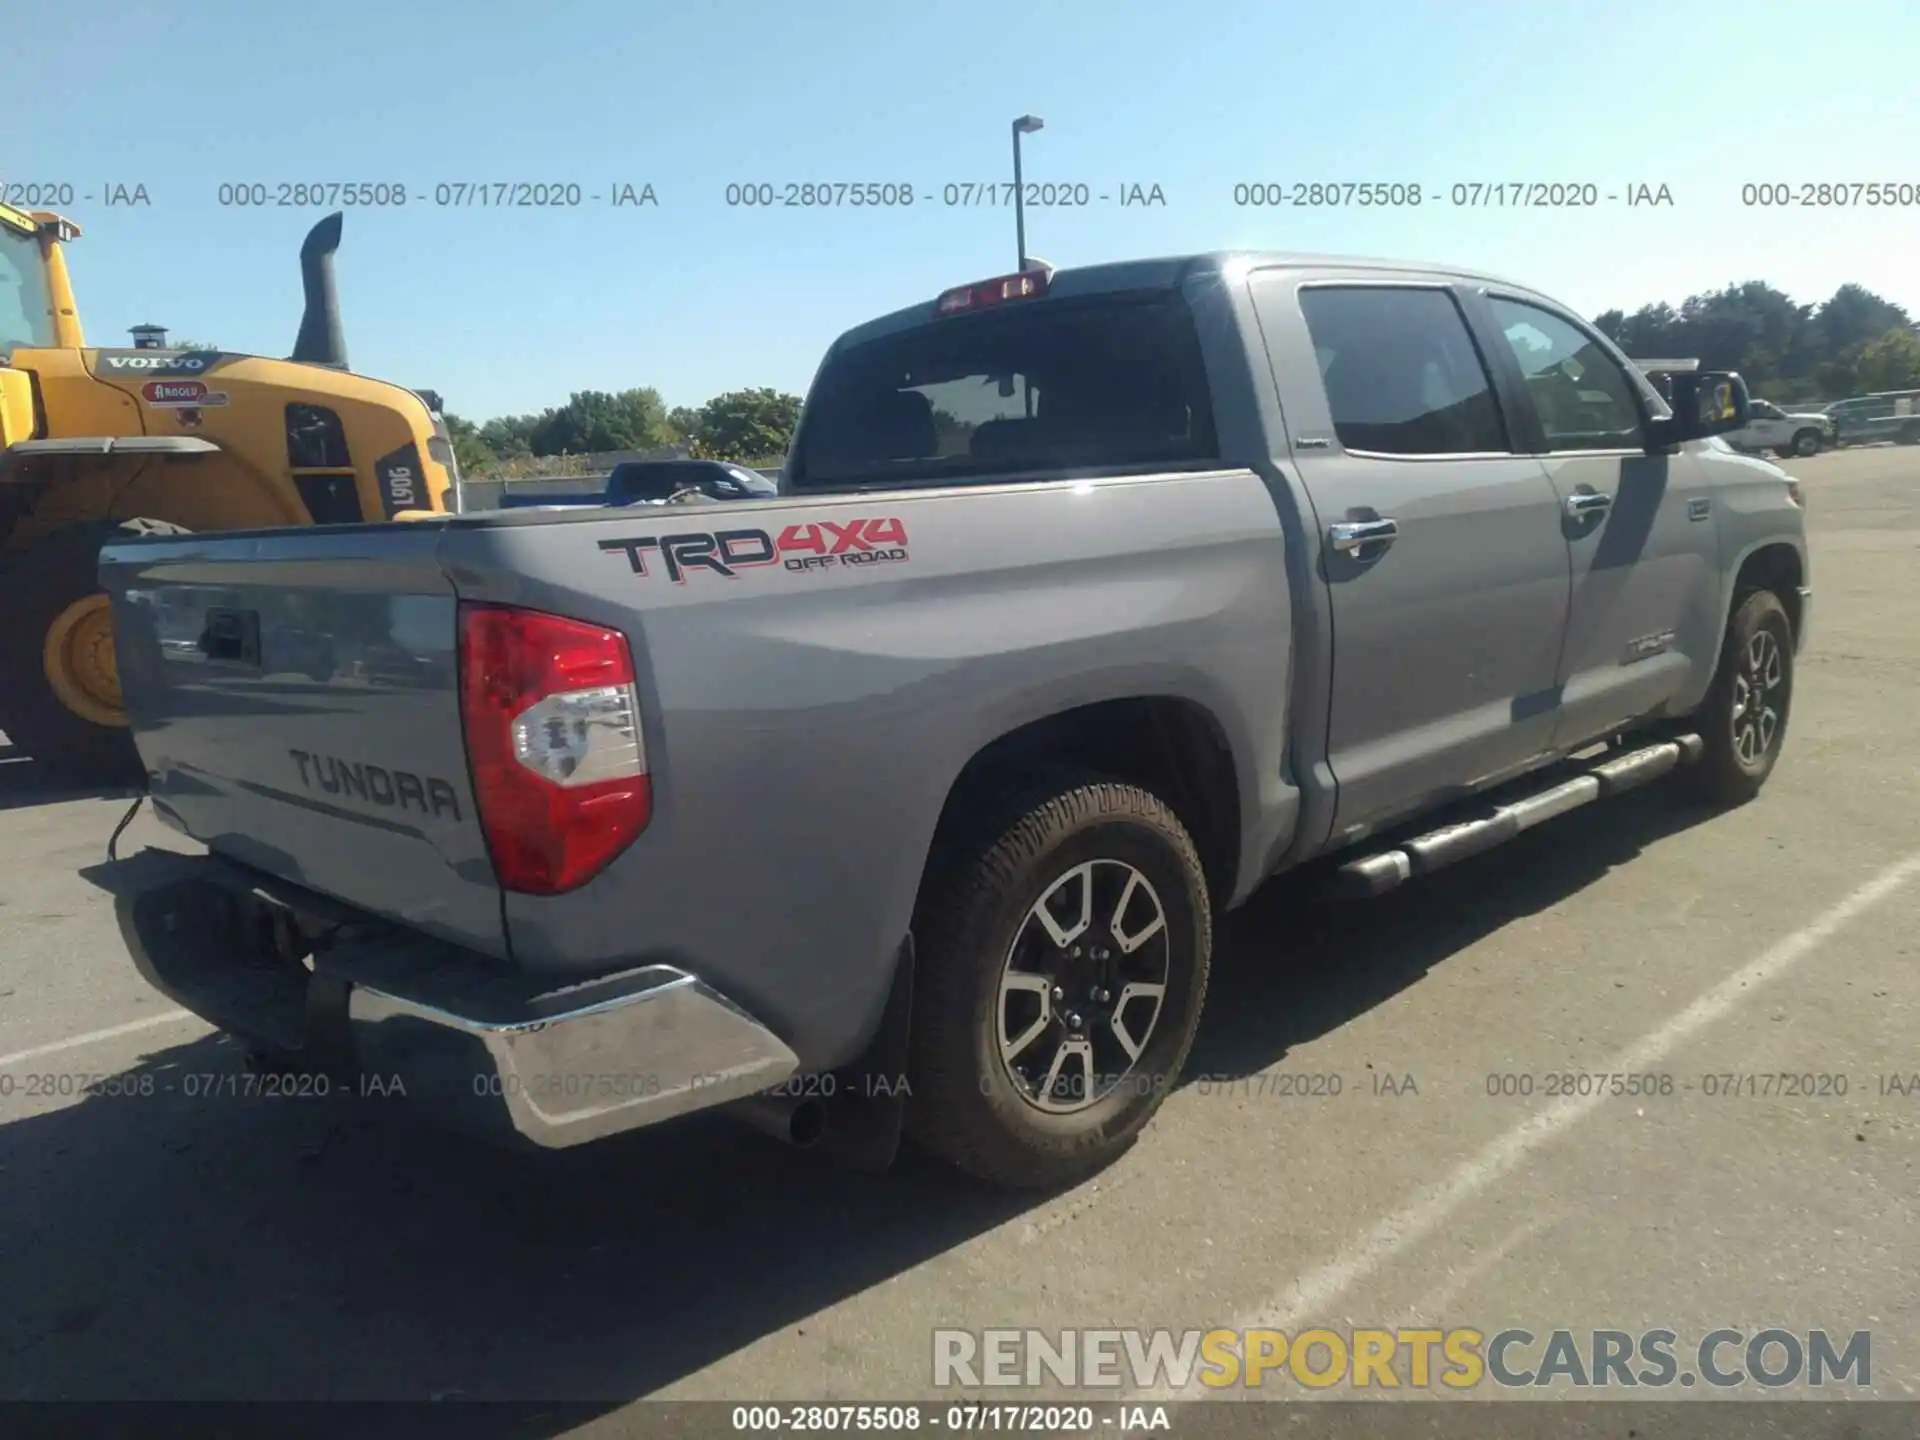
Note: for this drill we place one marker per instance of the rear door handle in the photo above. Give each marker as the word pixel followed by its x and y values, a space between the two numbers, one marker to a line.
pixel 1350 535
pixel 1580 507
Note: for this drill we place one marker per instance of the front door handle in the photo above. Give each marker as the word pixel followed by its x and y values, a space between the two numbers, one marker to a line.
pixel 1584 506
pixel 1350 535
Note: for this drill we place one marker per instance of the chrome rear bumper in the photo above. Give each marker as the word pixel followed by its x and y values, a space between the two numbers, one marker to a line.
pixel 453 1033
pixel 654 1044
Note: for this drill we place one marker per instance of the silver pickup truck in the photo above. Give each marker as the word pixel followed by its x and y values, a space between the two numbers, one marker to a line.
pixel 903 802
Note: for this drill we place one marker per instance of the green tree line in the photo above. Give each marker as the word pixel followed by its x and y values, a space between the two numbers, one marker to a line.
pixel 751 426
pixel 1853 343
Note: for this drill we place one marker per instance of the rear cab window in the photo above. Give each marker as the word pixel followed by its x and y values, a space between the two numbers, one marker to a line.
pixel 1099 383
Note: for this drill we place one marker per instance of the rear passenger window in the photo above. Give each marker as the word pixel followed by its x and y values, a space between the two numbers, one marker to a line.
pixel 1402 373
pixel 1584 399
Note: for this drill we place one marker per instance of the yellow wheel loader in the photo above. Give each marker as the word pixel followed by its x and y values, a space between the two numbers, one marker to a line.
pixel 96 443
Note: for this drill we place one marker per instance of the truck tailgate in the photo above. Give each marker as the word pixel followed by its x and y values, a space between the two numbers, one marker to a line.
pixel 295 697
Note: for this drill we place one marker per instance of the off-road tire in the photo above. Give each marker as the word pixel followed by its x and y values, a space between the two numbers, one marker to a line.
pixel 965 1107
pixel 36 585
pixel 1722 776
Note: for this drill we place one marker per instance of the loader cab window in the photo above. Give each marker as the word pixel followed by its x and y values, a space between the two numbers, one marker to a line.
pixel 315 439
pixel 26 316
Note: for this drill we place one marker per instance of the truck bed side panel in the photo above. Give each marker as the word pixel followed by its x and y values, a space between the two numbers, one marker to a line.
pixel 804 725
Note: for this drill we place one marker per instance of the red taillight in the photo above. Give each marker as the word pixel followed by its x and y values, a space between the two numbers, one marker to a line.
pixel 552 721
pixel 1023 286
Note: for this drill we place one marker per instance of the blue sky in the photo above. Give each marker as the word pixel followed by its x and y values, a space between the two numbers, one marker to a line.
pixel 509 310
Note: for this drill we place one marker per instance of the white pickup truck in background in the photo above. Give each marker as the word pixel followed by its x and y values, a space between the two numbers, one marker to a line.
pixel 1783 432
pixel 1768 427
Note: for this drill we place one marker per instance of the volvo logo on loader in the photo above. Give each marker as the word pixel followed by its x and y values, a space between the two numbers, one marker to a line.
pixel 146 362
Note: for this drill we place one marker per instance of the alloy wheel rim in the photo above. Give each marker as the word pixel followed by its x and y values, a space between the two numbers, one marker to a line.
pixel 1759 698
pixel 1083 986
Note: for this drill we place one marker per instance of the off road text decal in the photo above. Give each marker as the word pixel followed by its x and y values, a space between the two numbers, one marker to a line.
pixel 825 545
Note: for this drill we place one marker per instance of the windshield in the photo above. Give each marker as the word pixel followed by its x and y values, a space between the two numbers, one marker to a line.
pixel 751 482
pixel 26 313
pixel 1048 385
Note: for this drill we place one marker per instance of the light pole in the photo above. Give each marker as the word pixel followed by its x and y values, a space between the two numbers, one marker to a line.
pixel 1025 125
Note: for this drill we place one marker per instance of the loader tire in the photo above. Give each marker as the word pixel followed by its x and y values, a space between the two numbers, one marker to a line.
pixel 59 688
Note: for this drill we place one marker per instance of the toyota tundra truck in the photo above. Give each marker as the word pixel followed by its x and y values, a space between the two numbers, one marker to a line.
pixel 903 803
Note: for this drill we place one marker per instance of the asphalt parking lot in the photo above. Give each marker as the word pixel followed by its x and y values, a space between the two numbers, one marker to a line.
pixel 236 1248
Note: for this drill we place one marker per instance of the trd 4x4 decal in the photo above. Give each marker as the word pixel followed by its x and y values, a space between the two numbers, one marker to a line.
pixel 817 546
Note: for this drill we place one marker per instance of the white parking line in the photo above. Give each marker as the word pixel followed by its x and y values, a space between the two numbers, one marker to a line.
pixel 165 1017
pixel 1309 1296
pixel 1437 1300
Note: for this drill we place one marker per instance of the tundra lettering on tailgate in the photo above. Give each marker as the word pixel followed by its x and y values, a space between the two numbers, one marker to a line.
pixel 396 789
pixel 860 541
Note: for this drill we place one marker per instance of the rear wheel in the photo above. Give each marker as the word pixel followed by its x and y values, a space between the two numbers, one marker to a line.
pixel 1743 721
pixel 59 681
pixel 1063 968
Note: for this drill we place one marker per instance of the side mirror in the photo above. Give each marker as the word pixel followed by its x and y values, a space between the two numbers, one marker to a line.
pixel 1705 402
